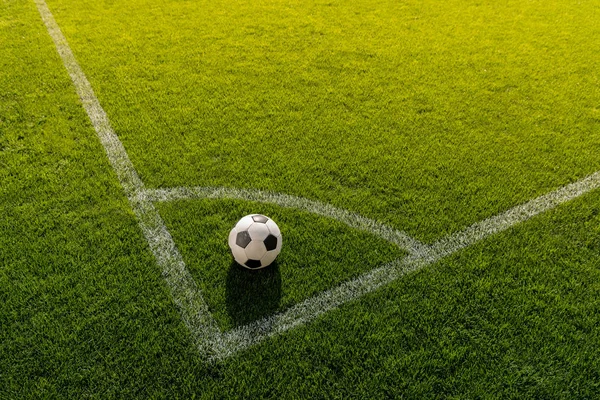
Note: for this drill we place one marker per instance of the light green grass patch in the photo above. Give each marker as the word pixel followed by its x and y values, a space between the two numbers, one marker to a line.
pixel 423 115
pixel 514 316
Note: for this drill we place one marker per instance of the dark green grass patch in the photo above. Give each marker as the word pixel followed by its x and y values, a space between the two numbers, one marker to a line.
pixel 426 115
pixel 318 253
pixel 516 316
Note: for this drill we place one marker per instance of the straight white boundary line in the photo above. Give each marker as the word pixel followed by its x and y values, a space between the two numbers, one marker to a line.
pixel 210 341
pixel 184 290
pixel 313 307
pixel 353 220
pixel 515 215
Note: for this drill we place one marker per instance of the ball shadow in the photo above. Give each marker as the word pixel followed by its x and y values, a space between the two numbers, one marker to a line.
pixel 251 295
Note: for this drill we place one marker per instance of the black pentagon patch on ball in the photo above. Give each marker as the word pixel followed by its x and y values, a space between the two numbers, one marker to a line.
pixel 243 239
pixel 270 242
pixel 260 219
pixel 253 264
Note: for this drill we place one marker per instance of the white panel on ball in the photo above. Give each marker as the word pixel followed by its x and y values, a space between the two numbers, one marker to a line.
pixel 239 254
pixel 232 236
pixel 273 228
pixel 269 257
pixel 255 250
pixel 258 231
pixel 244 223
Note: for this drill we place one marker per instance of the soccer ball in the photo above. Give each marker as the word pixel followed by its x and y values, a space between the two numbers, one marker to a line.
pixel 255 241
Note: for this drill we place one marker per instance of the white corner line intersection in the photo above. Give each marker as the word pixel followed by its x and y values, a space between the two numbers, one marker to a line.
pixel 208 338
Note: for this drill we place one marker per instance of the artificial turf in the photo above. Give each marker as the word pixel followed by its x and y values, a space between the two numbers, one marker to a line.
pixel 424 115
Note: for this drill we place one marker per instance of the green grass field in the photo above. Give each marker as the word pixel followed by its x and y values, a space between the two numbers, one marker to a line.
pixel 424 116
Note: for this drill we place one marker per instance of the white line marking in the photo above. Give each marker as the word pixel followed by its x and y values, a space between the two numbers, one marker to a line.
pixel 353 220
pixel 240 338
pixel 209 340
pixel 310 309
pixel 184 290
pixel 515 215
